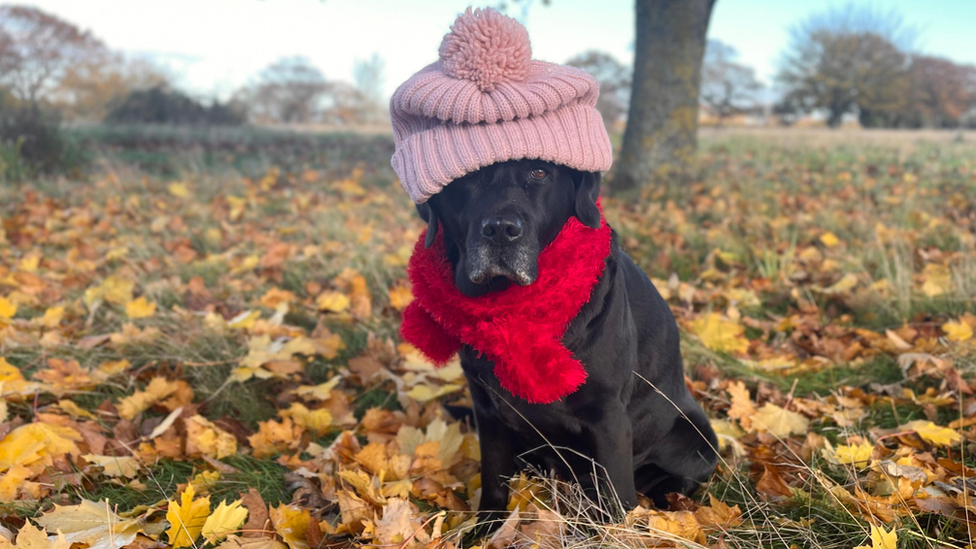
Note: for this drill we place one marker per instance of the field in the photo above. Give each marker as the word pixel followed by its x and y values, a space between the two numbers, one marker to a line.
pixel 208 318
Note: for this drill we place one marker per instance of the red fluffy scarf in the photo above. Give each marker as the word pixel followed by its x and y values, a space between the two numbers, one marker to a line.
pixel 520 328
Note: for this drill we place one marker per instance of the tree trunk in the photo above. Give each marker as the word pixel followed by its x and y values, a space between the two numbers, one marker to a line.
pixel 660 140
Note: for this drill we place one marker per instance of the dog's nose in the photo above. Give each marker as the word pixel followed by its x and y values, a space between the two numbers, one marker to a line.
pixel 502 229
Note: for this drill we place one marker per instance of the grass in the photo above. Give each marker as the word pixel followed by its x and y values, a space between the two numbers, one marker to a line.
pixel 257 211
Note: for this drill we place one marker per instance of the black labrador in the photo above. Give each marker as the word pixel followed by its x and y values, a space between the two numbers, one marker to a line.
pixel 634 422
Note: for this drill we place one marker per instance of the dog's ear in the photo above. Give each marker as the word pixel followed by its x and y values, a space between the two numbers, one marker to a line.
pixel 587 192
pixel 428 215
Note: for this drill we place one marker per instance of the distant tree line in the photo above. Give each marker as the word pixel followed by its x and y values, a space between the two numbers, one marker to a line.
pixel 843 64
pixel 859 62
pixel 49 64
pixel 847 63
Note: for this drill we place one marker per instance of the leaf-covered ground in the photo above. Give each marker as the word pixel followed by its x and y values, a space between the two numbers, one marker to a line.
pixel 211 359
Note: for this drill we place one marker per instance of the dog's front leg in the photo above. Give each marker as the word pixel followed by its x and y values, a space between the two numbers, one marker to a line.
pixel 611 441
pixel 498 453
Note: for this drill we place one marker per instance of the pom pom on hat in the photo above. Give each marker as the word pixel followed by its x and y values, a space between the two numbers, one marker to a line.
pixel 486 47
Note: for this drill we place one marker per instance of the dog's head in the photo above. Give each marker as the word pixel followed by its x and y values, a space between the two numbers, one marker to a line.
pixel 496 220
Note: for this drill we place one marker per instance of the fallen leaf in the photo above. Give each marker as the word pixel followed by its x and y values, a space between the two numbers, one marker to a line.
pixel 115 466
pixel 333 302
pixel 957 331
pixel 829 239
pixel 290 523
pixel 932 433
pixel 7 308
pixel 779 422
pixel 140 308
pixel 224 520
pixel 91 523
pixel 719 334
pixel 203 437
pixel 37 443
pixel 30 537
pixel 858 455
pixel 881 539
pixel 186 518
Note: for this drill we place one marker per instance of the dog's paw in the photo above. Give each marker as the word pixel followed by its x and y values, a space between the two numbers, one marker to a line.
pixel 488 523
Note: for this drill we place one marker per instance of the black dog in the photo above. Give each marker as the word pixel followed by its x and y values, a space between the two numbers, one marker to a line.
pixel 634 416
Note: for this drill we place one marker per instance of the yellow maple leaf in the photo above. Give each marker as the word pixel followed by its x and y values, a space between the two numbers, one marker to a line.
pixel 204 481
pixel 291 523
pixel 779 422
pixel 37 442
pixel 140 308
pixel 14 481
pixel 857 455
pixel 742 407
pixel 225 519
pixel 106 370
pixel 31 537
pixel 322 391
pixel 9 372
pixel 400 297
pixel 172 394
pixel 276 296
pixel 881 539
pixel 114 289
pixel 7 308
pixel 318 421
pixel 938 280
pixel 719 334
pixel 932 433
pixel 829 239
pixel 236 206
pixel 75 411
pixel 333 302
pixel 669 524
pixel 52 318
pixel 115 466
pixel 844 285
pixel 957 331
pixel 206 438
pixel 117 290
pixel 423 393
pixel 179 190
pixel 274 437
pixel 30 263
pixel 186 518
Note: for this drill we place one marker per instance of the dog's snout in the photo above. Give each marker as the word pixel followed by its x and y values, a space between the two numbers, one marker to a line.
pixel 502 229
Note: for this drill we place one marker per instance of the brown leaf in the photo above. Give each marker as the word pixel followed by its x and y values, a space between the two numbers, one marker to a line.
pixel 258 519
pixel 772 484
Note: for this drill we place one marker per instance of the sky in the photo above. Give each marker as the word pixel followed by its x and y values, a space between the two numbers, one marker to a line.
pixel 215 46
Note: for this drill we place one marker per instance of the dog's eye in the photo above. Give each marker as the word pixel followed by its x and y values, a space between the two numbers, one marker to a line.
pixel 538 174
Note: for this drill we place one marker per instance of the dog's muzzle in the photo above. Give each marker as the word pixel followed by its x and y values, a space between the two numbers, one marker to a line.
pixel 501 248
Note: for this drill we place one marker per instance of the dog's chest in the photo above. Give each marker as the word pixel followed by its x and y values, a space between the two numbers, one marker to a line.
pixel 533 421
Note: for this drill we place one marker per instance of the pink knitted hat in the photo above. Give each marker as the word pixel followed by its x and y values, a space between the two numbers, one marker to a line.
pixel 485 101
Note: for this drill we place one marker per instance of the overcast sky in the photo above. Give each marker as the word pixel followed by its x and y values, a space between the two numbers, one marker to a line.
pixel 214 46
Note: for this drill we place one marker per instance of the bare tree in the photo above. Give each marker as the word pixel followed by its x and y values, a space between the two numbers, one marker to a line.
pixel 849 60
pixel 614 79
pixel 728 88
pixel 36 48
pixel 662 122
pixel 290 90
pixel 368 76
